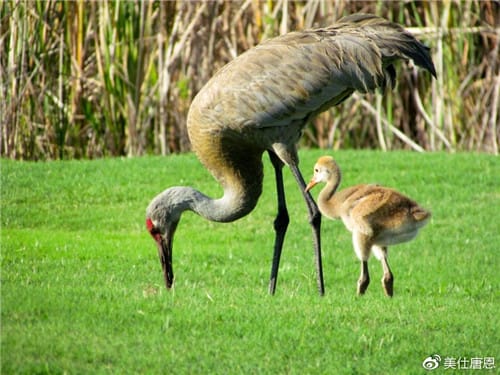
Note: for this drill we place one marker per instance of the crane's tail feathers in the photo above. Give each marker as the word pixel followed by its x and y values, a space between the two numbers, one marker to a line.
pixel 420 215
pixel 393 41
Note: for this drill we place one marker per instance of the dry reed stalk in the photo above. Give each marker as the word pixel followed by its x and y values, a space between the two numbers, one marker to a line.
pixel 87 79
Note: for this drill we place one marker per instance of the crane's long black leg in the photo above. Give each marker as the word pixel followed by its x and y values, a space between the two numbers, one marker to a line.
pixel 315 221
pixel 281 221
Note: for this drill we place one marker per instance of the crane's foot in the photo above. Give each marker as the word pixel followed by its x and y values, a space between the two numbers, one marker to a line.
pixel 363 283
pixel 388 285
pixel 272 286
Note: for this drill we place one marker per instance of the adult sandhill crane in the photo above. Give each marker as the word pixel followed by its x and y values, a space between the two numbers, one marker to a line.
pixel 260 102
pixel 377 217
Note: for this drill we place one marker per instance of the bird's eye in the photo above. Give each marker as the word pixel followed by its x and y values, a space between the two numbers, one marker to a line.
pixel 316 170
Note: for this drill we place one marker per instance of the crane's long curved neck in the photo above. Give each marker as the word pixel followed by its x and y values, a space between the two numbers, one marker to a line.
pixel 239 198
pixel 327 201
pixel 231 206
pixel 328 192
pixel 242 184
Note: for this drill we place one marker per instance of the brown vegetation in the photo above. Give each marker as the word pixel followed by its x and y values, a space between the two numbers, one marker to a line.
pixel 90 79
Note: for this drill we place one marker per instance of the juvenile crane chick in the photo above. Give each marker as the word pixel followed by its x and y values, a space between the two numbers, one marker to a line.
pixel 377 217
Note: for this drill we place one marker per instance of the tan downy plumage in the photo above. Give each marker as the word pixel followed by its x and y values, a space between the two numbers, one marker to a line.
pixel 377 217
pixel 260 102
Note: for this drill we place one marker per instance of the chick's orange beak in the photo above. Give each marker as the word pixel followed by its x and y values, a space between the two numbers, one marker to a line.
pixel 311 184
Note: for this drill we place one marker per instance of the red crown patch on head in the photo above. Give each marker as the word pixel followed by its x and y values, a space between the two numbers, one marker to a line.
pixel 152 230
pixel 149 224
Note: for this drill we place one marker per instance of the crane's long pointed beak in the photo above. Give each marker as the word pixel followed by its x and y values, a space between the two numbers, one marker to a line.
pixel 165 254
pixel 310 185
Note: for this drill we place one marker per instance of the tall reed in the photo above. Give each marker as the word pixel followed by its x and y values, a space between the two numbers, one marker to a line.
pixel 90 79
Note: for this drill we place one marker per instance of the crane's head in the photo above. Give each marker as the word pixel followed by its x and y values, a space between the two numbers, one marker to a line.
pixel 163 239
pixel 325 170
pixel 162 217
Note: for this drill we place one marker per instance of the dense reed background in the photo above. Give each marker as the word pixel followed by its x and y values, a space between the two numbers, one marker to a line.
pixel 107 78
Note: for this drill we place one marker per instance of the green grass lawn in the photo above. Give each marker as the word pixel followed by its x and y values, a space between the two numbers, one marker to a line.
pixel 82 287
